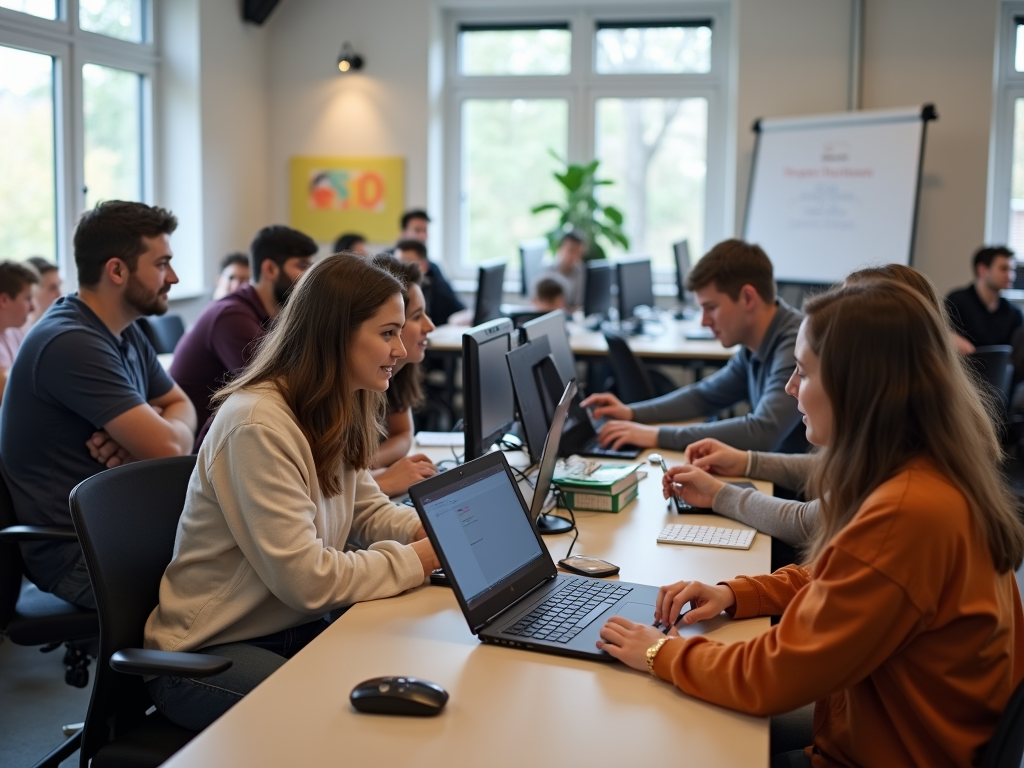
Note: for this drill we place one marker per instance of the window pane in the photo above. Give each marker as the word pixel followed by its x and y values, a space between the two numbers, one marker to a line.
pixel 658 50
pixel 112 100
pixel 1019 58
pixel 117 18
pixel 655 150
pixel 506 170
pixel 1017 192
pixel 46 9
pixel 514 52
pixel 27 182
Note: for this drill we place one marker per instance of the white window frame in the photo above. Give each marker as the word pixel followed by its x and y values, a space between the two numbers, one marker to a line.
pixel 581 89
pixel 73 48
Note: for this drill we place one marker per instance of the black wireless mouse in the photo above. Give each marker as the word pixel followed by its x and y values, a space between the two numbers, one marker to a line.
pixel 399 696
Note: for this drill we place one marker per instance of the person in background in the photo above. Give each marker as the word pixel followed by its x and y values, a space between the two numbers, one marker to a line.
pixel 18 283
pixel 734 286
pixel 352 243
pixel 414 225
pixel 281 485
pixel 46 291
pixel 980 315
pixel 442 303
pixel 394 470
pixel 548 294
pixel 571 268
pixel 234 273
pixel 86 391
pixel 224 337
pixel 905 625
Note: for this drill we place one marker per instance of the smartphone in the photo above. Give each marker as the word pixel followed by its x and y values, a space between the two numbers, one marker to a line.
pixel 677 504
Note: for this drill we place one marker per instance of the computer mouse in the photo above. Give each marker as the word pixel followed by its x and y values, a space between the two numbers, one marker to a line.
pixel 399 696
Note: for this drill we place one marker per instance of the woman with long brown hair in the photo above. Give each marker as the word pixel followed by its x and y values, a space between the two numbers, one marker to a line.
pixel 393 469
pixel 905 627
pixel 281 485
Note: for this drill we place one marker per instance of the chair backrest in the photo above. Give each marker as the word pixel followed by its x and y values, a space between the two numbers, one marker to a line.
pixel 10 560
pixel 163 332
pixel 126 519
pixel 1006 748
pixel 631 380
pixel 993 363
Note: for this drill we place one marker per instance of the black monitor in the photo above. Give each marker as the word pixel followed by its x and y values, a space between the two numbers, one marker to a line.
pixel 636 286
pixel 488 292
pixel 552 327
pixel 551 524
pixel 536 384
pixel 531 260
pixel 597 294
pixel 682 252
pixel 488 399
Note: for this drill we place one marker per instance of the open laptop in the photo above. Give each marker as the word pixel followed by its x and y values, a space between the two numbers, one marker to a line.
pixel 503 577
pixel 551 524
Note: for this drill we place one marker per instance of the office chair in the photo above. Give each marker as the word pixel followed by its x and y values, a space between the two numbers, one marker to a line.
pixel 126 520
pixel 163 332
pixel 634 382
pixel 993 363
pixel 1006 747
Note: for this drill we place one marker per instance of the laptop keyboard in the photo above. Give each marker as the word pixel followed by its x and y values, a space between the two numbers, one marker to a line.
pixel 569 611
pixel 593 448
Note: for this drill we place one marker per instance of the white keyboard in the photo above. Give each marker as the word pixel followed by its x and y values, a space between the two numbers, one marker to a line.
pixel 708 536
pixel 440 439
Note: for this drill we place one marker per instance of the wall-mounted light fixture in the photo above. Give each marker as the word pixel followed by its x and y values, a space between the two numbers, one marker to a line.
pixel 349 60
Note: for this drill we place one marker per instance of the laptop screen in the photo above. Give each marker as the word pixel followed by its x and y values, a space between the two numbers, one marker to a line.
pixel 481 528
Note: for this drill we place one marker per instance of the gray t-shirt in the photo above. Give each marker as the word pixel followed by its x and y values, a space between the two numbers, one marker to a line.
pixel 71 377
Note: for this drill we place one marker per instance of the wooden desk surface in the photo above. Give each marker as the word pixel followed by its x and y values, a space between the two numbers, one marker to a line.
pixel 508 707
pixel 670 345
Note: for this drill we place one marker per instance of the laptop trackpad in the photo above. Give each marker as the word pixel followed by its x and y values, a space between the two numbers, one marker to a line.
pixel 638 612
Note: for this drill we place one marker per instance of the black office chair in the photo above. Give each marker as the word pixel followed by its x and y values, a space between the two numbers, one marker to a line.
pixel 29 616
pixel 1006 747
pixel 993 363
pixel 634 382
pixel 163 332
pixel 126 520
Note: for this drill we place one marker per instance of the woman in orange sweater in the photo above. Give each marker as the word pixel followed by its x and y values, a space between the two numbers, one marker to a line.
pixel 906 626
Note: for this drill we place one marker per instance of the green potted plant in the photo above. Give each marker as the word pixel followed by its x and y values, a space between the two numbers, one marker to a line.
pixel 581 212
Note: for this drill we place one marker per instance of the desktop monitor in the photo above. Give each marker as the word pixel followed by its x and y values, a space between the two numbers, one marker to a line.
pixel 531 260
pixel 488 398
pixel 682 252
pixel 552 327
pixel 636 287
pixel 597 294
pixel 536 384
pixel 488 292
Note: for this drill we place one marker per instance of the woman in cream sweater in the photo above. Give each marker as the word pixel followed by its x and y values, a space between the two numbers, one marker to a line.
pixel 281 484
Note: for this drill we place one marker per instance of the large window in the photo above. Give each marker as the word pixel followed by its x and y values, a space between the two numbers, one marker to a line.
pixel 1005 219
pixel 643 94
pixel 75 84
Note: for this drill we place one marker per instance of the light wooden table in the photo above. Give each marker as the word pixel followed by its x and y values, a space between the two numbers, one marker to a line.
pixel 508 707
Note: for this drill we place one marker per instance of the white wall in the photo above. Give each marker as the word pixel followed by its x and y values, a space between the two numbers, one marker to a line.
pixel 791 57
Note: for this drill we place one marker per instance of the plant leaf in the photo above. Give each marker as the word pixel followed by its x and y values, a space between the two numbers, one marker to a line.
pixel 546 207
pixel 613 213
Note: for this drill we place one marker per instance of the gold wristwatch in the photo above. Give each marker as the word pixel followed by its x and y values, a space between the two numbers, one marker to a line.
pixel 652 653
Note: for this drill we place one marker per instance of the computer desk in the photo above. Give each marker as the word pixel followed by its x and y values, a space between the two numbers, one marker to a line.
pixel 508 707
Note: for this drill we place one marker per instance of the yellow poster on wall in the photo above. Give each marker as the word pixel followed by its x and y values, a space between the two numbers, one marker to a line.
pixel 334 195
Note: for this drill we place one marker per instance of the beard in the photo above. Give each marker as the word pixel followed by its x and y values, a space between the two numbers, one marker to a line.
pixel 283 288
pixel 143 300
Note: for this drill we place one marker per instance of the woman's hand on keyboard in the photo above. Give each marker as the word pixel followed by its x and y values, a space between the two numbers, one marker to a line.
pixel 397 478
pixel 694 486
pixel 716 457
pixel 628 641
pixel 706 601
pixel 617 434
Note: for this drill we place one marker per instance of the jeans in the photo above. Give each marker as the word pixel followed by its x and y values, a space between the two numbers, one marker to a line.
pixel 194 703
pixel 75 587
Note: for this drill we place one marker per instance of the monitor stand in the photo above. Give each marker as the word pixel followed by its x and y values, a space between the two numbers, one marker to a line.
pixel 549 525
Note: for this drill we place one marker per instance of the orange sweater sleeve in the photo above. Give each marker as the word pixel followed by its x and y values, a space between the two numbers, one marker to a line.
pixel 767 595
pixel 836 630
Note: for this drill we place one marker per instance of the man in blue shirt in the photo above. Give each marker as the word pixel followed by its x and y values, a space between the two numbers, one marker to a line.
pixel 86 391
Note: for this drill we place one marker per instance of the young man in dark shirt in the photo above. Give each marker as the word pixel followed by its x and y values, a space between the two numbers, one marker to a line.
pixel 86 391
pixel 222 340
pixel 980 315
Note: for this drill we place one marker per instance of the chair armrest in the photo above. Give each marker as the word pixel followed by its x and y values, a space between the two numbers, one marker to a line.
pixel 16 533
pixel 139 661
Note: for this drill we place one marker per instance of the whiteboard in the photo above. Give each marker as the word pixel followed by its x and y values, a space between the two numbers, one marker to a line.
pixel 830 194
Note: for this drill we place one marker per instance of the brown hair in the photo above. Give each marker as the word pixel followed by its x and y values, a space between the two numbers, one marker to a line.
pixel 15 276
pixel 909 276
pixel 898 391
pixel 406 390
pixel 729 266
pixel 548 289
pixel 305 355
pixel 114 230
